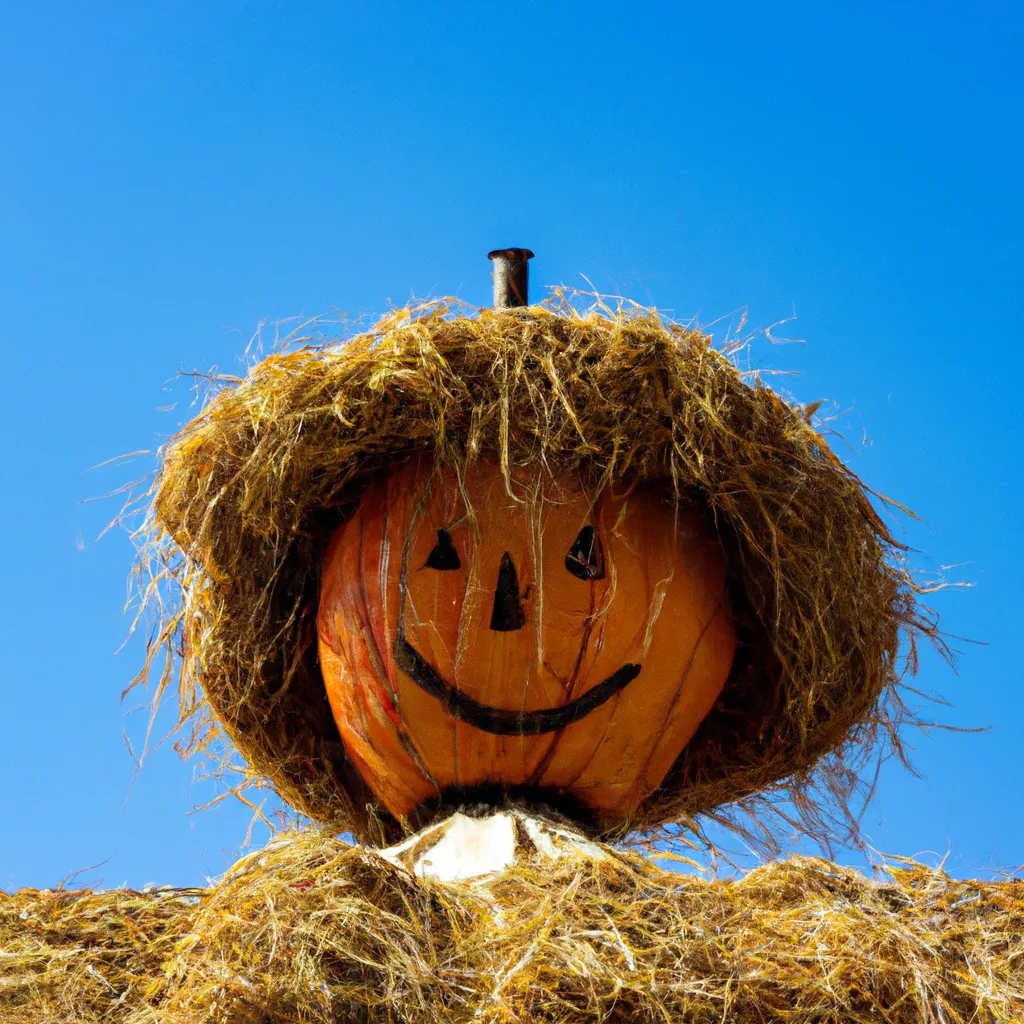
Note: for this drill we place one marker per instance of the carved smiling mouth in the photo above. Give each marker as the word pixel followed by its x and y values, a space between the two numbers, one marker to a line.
pixel 503 721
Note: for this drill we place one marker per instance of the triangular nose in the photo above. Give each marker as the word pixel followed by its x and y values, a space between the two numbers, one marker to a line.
pixel 507 615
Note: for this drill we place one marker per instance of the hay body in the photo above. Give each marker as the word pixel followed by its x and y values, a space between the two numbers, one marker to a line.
pixel 312 930
pixel 250 491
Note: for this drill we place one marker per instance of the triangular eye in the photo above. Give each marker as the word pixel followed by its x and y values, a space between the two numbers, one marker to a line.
pixel 444 555
pixel 586 557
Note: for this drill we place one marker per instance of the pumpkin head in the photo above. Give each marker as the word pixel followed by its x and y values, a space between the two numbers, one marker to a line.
pixel 253 492
pixel 526 633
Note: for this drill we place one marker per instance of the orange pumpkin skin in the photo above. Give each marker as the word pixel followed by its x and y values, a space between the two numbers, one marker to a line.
pixel 553 638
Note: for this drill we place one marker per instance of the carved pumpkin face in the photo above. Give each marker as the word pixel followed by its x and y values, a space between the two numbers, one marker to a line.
pixel 551 638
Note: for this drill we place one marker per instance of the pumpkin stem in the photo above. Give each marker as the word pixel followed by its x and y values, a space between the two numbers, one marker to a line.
pixel 511 277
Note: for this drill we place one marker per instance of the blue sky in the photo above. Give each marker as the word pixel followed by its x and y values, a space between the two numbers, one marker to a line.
pixel 172 174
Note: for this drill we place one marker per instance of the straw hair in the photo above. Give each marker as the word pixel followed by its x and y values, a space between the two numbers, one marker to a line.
pixel 310 930
pixel 250 491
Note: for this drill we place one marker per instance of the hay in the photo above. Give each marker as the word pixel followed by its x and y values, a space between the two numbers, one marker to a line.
pixel 249 492
pixel 312 930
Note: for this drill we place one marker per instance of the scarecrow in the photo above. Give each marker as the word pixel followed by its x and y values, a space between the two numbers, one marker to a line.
pixel 492 593
pixel 576 561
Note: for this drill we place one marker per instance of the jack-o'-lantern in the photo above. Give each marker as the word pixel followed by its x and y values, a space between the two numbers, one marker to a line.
pixel 524 633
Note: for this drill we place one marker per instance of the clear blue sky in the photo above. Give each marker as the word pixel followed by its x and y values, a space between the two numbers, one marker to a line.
pixel 173 173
